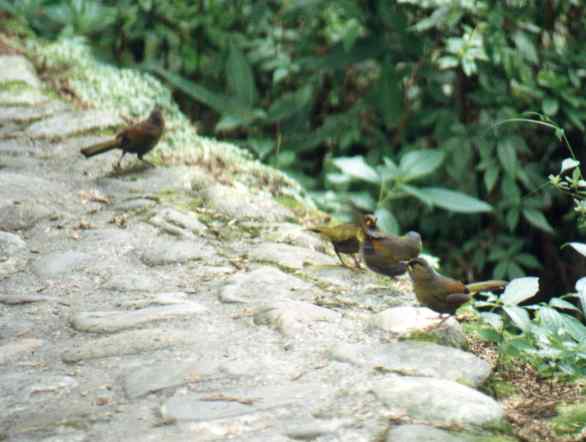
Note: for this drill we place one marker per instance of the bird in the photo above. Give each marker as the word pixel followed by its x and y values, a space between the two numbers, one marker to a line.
pixel 139 138
pixel 387 254
pixel 344 238
pixel 443 294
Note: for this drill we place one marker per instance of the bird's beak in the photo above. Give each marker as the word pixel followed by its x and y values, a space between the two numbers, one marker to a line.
pixel 411 263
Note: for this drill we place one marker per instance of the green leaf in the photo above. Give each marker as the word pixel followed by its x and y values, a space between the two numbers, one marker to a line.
pixel 537 219
pixel 356 167
pixel 418 163
pixel 519 316
pixel 581 284
pixel 579 247
pixel 417 193
pixel 525 46
pixel 289 104
pixel 512 218
pixel 562 304
pixel 568 164
pixel 493 319
pixel 528 261
pixel 386 221
pixel 507 155
pixel 550 106
pixel 240 77
pixel 519 290
pixel 363 200
pixel 490 335
pixel 389 170
pixel 388 96
pixel 490 176
pixel 454 201
pixel 550 318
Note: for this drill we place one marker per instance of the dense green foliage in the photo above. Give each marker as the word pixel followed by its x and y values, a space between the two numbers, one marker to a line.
pixel 397 106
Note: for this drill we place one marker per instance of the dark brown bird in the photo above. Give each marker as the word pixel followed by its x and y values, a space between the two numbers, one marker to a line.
pixel 139 138
pixel 387 254
pixel 344 238
pixel 441 293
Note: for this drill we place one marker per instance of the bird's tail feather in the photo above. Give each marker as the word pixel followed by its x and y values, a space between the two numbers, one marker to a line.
pixel 485 286
pixel 99 148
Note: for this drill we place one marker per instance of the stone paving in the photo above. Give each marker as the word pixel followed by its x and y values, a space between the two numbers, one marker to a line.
pixel 126 316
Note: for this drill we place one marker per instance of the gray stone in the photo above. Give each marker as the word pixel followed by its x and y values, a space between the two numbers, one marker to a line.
pixel 438 400
pixel 11 266
pixel 294 234
pixel 18 68
pixel 21 190
pixel 25 114
pixel 404 320
pixel 134 204
pixel 112 321
pixel 58 263
pixel 22 216
pixel 424 433
pixel 22 97
pixel 70 123
pixel 290 317
pixel 175 222
pixel 139 382
pixel 10 244
pixel 310 428
pixel 18 388
pixel 126 343
pixel 162 251
pixel 67 436
pixel 238 402
pixel 136 280
pixel 24 299
pixel 14 349
pixel 16 328
pixel 242 204
pixel 262 284
pixel 170 298
pixel 416 359
pixel 288 256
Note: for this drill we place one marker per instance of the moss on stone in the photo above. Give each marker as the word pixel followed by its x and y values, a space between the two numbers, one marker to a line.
pixel 570 420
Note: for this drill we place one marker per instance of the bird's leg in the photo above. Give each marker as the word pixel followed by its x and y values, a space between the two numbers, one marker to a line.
pixel 356 262
pixel 117 165
pixel 340 257
pixel 146 161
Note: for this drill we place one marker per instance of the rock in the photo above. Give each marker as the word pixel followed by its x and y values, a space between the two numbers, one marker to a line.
pixel 139 382
pixel 242 204
pixel 126 343
pixel 404 320
pixel 425 433
pixel 16 328
pixel 67 436
pixel 289 317
pixel 175 222
pixel 135 205
pixel 13 349
pixel 112 321
pixel 25 114
pixel 10 244
pixel 11 266
pixel 58 263
pixel 22 216
pixel 294 234
pixel 438 400
pixel 23 97
pixel 291 257
pixel 136 280
pixel 163 251
pixel 416 358
pixel 170 298
pixel 24 299
pixel 19 388
pixel 70 123
pixel 232 404
pixel 310 428
pixel 19 69
pixel 262 284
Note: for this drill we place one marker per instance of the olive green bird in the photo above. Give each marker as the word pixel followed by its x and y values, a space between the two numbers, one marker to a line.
pixel 387 254
pixel 443 294
pixel 344 238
